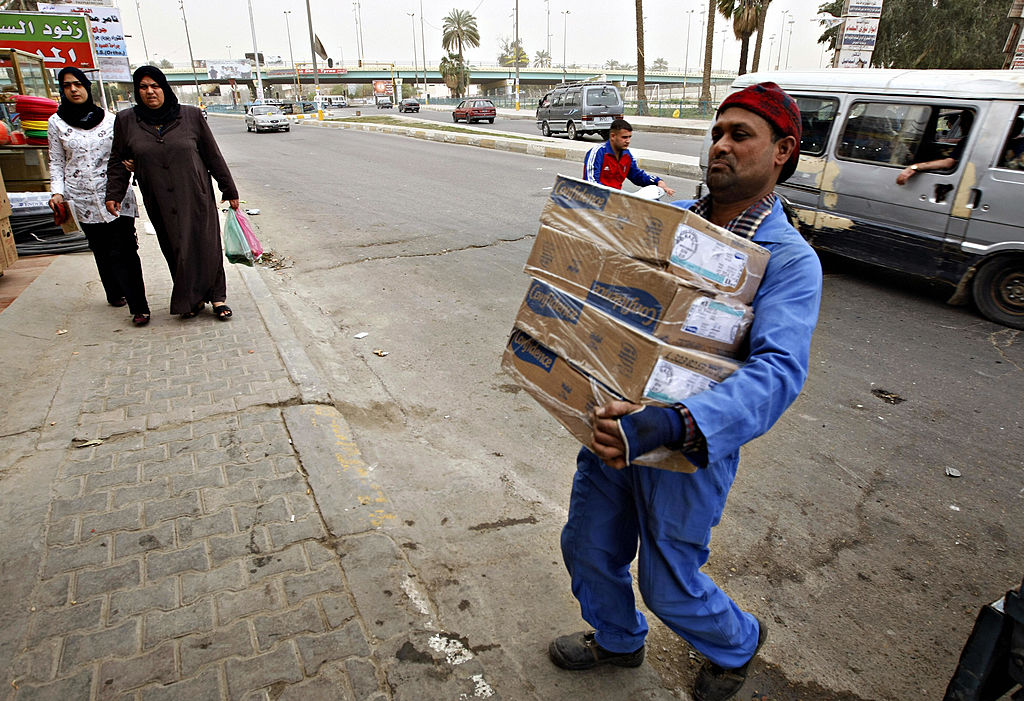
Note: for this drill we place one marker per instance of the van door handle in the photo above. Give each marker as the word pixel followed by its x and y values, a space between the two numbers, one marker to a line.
pixel 975 198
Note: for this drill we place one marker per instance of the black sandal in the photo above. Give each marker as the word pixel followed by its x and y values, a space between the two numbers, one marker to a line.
pixel 195 311
pixel 119 302
pixel 222 311
pixel 141 319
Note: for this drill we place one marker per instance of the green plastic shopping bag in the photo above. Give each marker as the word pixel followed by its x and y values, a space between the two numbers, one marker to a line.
pixel 236 248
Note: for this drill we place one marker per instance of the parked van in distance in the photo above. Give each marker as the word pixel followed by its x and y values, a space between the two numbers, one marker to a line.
pixel 579 108
pixel 963 225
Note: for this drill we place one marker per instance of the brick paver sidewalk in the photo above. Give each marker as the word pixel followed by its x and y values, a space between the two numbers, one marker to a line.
pixel 184 555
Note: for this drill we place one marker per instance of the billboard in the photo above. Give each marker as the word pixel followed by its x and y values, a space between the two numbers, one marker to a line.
pixel 62 40
pixel 854 58
pixel 864 8
pixel 219 70
pixel 107 37
pixel 383 87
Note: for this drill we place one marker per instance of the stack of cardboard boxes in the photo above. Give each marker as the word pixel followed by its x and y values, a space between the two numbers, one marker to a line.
pixel 630 299
pixel 8 253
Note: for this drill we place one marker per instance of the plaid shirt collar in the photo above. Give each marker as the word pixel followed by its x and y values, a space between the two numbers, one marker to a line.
pixel 745 224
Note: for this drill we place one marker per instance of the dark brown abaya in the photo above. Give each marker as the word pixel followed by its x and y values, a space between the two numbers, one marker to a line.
pixel 173 166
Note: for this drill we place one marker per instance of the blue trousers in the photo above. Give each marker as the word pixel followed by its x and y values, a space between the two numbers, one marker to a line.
pixel 670 516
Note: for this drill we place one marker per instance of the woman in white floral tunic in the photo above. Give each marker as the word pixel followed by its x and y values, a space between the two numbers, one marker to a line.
pixel 80 135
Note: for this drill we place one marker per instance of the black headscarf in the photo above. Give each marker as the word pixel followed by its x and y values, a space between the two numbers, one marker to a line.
pixel 168 111
pixel 83 116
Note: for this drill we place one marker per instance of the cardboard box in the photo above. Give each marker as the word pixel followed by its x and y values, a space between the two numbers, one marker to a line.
pixel 5 202
pixel 636 365
pixel 639 294
pixel 569 395
pixel 675 239
pixel 8 252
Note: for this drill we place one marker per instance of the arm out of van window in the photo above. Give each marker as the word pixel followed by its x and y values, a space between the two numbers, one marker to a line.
pixel 941 164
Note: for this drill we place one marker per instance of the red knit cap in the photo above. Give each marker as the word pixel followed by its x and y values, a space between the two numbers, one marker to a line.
pixel 769 101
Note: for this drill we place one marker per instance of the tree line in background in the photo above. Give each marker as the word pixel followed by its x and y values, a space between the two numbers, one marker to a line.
pixel 953 34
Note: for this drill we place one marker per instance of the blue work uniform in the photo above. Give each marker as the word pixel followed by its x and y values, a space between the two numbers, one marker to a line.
pixel 670 514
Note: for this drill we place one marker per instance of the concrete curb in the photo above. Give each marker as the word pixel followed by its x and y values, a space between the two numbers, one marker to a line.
pixel 679 166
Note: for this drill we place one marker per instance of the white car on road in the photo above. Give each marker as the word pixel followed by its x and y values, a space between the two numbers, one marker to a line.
pixel 266 118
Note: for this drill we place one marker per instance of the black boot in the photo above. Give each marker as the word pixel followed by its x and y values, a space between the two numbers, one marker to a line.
pixel 716 683
pixel 581 651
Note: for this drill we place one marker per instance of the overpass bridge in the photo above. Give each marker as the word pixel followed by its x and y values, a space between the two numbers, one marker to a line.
pixel 491 79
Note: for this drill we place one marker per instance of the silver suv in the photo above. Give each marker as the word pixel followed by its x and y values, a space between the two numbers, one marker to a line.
pixel 579 108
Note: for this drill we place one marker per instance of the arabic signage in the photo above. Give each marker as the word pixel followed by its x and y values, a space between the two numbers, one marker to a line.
pixel 860 33
pixel 107 37
pixel 62 40
pixel 864 8
pixel 1018 57
pixel 236 70
pixel 854 58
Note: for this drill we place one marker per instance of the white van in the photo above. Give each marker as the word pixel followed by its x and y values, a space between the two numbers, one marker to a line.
pixel 964 225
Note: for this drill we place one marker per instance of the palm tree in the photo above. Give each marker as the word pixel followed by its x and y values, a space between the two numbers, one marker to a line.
pixel 641 94
pixel 611 64
pixel 660 64
pixel 709 41
pixel 762 16
pixel 542 59
pixel 459 31
pixel 454 73
pixel 745 15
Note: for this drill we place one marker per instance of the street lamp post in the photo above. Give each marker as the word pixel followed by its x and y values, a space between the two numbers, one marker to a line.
pixel 782 29
pixel 721 51
pixel 565 24
pixel 423 48
pixel 686 56
pixel 291 56
pixel 199 95
pixel 789 44
pixel 515 55
pixel 256 53
pixel 771 44
pixel 142 31
pixel 415 69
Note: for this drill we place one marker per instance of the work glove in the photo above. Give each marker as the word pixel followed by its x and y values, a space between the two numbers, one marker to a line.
pixel 650 428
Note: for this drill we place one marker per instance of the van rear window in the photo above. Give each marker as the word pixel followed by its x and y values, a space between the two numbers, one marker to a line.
pixel 602 97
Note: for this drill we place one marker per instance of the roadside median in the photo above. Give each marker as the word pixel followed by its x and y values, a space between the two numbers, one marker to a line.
pixel 656 161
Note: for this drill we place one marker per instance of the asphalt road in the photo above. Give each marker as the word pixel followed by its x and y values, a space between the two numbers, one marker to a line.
pixel 843 529
pixel 653 141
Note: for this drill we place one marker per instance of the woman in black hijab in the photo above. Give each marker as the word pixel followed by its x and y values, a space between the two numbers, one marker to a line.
pixel 174 154
pixel 80 136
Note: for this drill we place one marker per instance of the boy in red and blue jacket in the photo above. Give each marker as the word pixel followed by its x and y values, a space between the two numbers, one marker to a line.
pixel 611 162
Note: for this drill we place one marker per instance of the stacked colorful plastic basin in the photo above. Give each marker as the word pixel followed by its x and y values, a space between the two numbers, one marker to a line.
pixel 34 112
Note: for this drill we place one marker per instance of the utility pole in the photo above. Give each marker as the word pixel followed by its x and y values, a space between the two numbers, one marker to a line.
pixel 357 13
pixel 549 31
pixel 789 44
pixel 256 54
pixel 416 76
pixel 515 55
pixel 686 58
pixel 199 95
pixel 142 31
pixel 291 56
pixel 423 48
pixel 312 48
pixel 565 25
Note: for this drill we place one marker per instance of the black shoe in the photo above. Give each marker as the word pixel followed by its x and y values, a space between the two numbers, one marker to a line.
pixel 716 683
pixel 581 651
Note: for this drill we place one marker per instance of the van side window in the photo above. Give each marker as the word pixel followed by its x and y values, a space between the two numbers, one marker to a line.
pixel 1012 155
pixel 572 98
pixel 816 117
pixel 556 99
pixel 901 134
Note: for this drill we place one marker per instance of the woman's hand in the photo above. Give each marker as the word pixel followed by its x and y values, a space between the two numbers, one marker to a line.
pixel 129 164
pixel 55 199
pixel 233 203
pixel 114 207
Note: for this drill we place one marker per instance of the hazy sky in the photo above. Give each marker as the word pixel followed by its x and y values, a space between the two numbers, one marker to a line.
pixel 597 30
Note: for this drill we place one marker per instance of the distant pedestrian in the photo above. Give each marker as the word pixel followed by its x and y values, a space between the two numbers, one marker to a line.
pixel 173 154
pixel 80 135
pixel 611 163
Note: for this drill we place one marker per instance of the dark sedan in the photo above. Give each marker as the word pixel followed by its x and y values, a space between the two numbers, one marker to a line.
pixel 409 105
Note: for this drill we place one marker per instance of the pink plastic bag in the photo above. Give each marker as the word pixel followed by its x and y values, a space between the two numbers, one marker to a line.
pixel 250 236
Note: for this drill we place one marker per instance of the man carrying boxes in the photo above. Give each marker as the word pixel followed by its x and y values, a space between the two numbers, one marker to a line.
pixel 618 502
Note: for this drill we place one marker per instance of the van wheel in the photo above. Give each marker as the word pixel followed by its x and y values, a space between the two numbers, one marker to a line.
pixel 545 129
pixel 998 290
pixel 570 130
